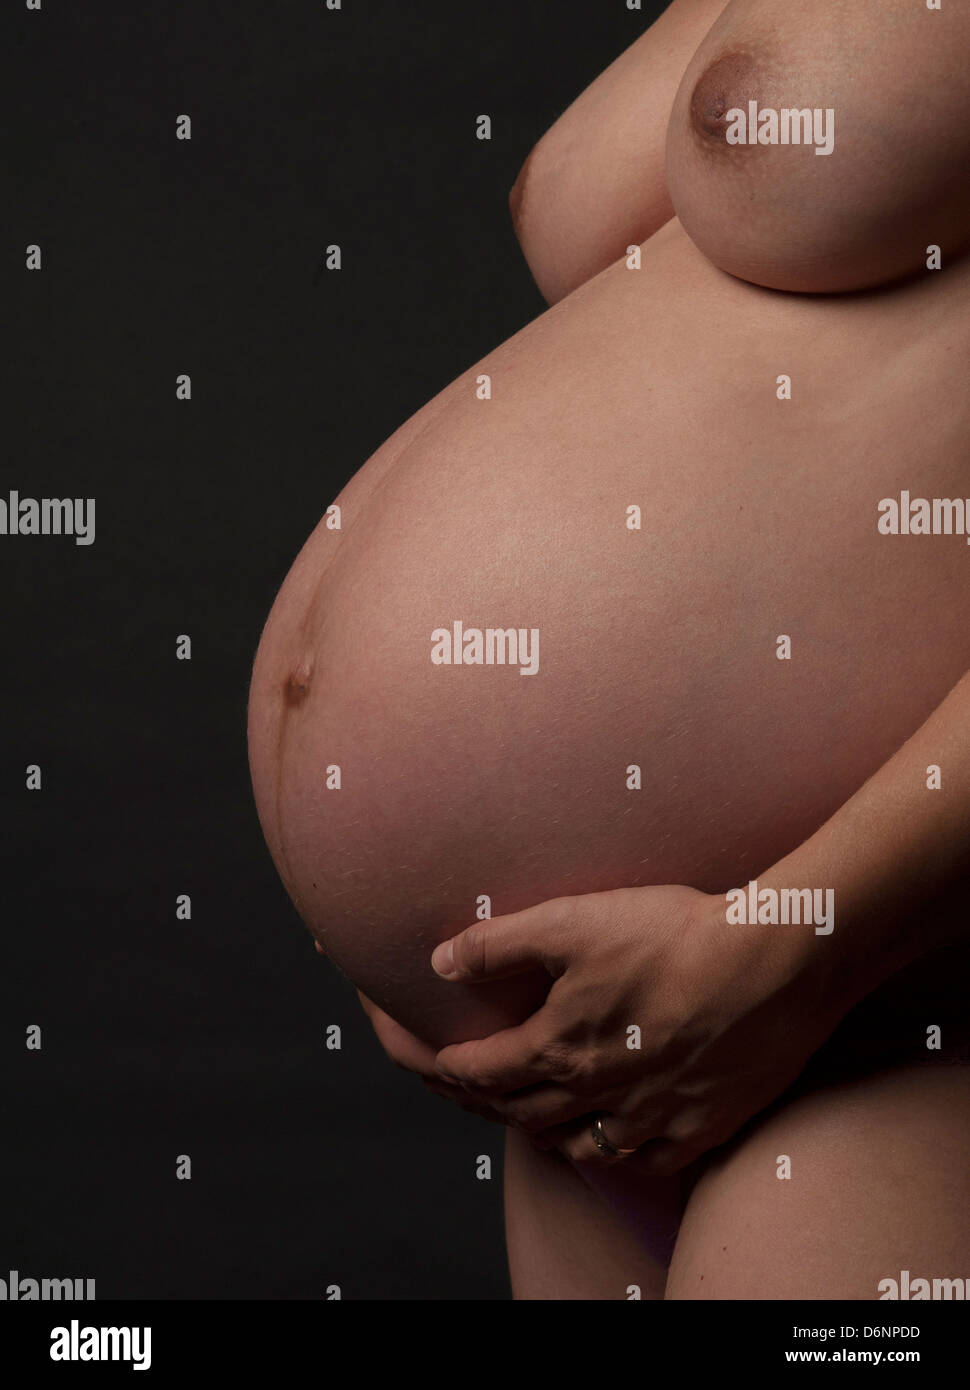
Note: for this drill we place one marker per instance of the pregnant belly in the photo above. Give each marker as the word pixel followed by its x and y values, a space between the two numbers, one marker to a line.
pixel 717 645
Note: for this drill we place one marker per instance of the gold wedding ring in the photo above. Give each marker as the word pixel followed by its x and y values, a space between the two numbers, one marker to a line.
pixel 603 1144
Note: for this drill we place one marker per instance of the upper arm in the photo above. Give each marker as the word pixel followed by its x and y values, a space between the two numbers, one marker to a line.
pixel 889 84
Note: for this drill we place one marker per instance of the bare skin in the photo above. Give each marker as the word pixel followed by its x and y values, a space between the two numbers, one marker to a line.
pixel 880 1183
pixel 564 1241
pixel 861 215
pixel 653 387
pixel 595 181
pixel 779 498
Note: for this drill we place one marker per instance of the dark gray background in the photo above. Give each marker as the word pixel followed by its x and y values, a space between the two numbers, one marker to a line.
pixel 164 257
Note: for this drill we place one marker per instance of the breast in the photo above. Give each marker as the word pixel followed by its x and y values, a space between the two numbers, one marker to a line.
pixel 659 738
pixel 793 166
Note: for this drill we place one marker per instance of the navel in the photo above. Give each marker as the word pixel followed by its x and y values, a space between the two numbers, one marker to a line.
pixel 296 686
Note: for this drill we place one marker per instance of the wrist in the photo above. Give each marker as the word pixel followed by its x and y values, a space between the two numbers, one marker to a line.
pixel 789 930
pixel 850 943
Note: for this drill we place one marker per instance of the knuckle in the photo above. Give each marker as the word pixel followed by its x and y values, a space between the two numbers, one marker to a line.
pixel 470 951
pixel 576 1147
pixel 576 1067
pixel 471 1075
pixel 523 1117
pixel 557 1060
pixel 559 915
pixel 682 1130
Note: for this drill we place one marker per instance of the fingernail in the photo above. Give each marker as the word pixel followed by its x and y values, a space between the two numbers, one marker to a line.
pixel 443 959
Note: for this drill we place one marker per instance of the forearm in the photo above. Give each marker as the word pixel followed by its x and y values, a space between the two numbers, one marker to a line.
pixel 900 841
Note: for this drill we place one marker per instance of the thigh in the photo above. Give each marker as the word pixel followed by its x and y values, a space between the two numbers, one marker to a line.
pixel 879 1183
pixel 564 1240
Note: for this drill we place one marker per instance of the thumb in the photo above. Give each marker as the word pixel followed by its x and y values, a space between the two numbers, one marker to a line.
pixel 509 945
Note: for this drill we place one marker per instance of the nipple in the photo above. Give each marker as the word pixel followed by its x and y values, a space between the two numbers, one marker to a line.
pixel 729 82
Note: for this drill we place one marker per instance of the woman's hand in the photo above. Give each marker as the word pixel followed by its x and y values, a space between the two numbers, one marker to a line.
pixel 410 1053
pixel 728 1015
pixel 672 1025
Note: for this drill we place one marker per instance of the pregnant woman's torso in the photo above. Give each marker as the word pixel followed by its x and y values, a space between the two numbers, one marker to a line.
pixel 654 388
